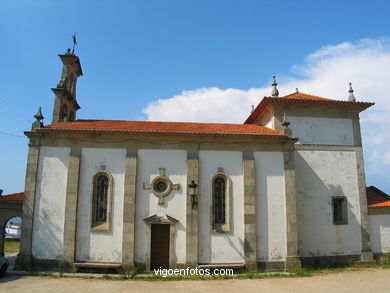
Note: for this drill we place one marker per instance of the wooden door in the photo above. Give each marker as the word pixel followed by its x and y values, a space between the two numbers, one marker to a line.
pixel 159 254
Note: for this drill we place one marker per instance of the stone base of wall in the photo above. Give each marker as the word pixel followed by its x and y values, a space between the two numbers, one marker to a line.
pixel 49 265
pixel 330 261
pixel 293 262
pixel 26 263
pixel 378 256
pixel 23 262
pixel 250 266
pixel 367 257
pixel 271 266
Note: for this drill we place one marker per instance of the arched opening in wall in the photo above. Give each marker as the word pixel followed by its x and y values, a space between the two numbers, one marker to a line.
pixel 71 116
pixel 13 228
pixel 64 113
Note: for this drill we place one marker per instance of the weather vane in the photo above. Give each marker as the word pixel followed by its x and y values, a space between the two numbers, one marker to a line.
pixel 74 42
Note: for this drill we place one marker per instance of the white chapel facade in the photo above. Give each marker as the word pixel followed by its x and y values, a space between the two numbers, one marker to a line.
pixel 284 188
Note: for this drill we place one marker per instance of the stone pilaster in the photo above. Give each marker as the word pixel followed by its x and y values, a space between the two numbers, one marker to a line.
pixel 192 216
pixel 129 201
pixel 72 187
pixel 249 212
pixel 24 259
pixel 292 259
pixel 366 255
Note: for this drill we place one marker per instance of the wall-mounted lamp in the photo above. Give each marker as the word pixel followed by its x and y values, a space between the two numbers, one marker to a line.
pixel 192 187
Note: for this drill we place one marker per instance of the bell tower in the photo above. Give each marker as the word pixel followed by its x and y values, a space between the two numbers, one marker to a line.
pixel 65 101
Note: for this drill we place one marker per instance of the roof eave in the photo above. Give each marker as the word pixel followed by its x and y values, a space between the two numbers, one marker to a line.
pixel 42 131
pixel 258 112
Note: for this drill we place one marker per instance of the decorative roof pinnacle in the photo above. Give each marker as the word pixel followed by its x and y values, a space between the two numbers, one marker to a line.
pixel 39 115
pixel 275 92
pixel 351 97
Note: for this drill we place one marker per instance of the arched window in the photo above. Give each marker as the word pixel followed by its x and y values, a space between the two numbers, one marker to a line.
pixel 101 198
pixel 101 202
pixel 220 194
pixel 221 188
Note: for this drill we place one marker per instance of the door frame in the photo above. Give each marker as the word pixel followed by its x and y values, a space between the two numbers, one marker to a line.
pixel 159 220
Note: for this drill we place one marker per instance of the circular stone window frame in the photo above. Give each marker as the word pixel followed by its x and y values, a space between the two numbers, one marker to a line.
pixel 167 182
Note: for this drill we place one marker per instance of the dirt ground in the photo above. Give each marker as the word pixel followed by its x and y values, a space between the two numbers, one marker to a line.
pixel 367 280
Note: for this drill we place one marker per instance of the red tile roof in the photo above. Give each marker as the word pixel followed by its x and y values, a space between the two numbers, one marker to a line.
pixel 304 100
pixel 151 127
pixel 13 196
pixel 377 198
pixel 304 96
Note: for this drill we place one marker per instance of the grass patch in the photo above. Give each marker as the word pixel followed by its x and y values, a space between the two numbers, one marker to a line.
pixel 11 246
pixel 382 263
pixel 303 272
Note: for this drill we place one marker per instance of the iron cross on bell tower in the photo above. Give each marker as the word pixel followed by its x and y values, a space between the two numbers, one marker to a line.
pixel 74 42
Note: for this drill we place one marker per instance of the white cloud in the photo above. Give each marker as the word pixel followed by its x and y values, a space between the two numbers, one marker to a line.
pixel 387 158
pixel 206 105
pixel 326 72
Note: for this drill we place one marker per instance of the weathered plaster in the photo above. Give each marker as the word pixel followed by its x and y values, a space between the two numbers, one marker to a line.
pixel 319 176
pixel 175 164
pixel 324 131
pixel 221 247
pixel 50 197
pixel 380 232
pixel 100 246
pixel 270 206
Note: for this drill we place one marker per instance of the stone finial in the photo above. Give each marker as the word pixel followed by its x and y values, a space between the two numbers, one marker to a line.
pixel 351 97
pixel 296 90
pixel 38 116
pixel 275 92
pixel 253 109
pixel 286 130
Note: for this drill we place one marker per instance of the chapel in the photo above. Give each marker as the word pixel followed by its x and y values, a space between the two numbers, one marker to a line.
pixel 283 189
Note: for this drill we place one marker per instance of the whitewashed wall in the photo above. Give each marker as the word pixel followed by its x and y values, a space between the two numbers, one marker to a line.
pixel 49 213
pixel 100 246
pixel 267 120
pixel 326 131
pixel 270 206
pixel 270 123
pixel 175 164
pixel 320 175
pixel 380 233
pixel 221 248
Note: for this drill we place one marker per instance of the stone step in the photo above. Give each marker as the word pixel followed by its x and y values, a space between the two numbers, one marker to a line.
pixel 97 265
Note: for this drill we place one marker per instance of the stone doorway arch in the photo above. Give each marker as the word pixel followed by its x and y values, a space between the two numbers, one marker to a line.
pixel 10 207
pixel 161 220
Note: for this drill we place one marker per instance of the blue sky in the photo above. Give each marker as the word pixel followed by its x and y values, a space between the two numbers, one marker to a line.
pixel 144 59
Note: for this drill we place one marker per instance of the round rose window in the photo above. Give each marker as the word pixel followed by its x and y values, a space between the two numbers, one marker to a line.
pixel 160 186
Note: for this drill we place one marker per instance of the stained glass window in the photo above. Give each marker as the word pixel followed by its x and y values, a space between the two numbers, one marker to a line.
pixel 101 198
pixel 219 200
